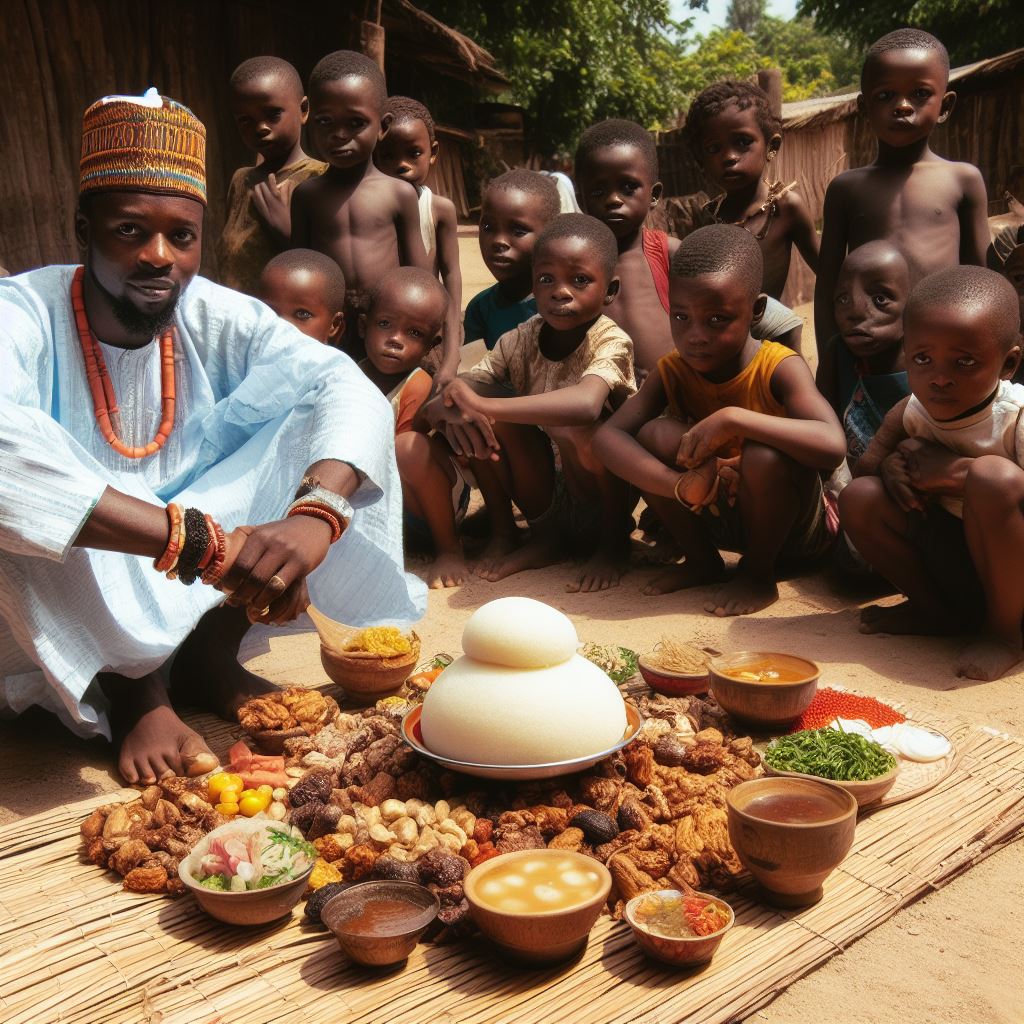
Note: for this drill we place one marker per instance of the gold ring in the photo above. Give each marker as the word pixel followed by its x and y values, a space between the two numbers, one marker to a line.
pixel 276 583
pixel 265 611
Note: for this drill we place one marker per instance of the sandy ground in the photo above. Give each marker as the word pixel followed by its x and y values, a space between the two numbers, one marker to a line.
pixel 952 957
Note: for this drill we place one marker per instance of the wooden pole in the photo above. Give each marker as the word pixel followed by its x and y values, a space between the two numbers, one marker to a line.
pixel 770 79
pixel 371 41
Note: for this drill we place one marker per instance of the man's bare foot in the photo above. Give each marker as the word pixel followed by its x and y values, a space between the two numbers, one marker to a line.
pixel 206 672
pixel 743 595
pixel 903 619
pixel 534 554
pixel 686 575
pixel 988 658
pixel 602 570
pixel 448 570
pixel 496 550
pixel 153 742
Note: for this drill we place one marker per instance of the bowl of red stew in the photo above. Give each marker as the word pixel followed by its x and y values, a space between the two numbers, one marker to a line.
pixel 682 929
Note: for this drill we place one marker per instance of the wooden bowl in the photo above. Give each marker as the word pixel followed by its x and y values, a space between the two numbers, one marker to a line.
pixel 366 677
pixel 867 792
pixel 672 684
pixel 253 907
pixel 540 936
pixel 768 705
pixel 390 945
pixel 791 860
pixel 688 951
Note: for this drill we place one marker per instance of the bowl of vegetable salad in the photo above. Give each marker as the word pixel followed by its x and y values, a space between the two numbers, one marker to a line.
pixel 250 871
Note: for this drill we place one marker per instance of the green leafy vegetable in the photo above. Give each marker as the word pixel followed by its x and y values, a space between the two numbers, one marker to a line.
pixel 618 663
pixel 294 843
pixel 218 882
pixel 830 754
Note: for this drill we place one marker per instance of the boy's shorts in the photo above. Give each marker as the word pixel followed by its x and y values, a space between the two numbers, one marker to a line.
pixel 417 532
pixel 811 537
pixel 577 519
pixel 939 536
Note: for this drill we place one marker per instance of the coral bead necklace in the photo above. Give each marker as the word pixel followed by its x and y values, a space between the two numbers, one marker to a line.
pixel 104 400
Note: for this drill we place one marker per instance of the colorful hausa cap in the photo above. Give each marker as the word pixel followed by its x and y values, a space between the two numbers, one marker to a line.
pixel 143 144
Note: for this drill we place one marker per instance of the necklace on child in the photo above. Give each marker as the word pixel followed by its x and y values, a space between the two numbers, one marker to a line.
pixel 104 401
pixel 770 206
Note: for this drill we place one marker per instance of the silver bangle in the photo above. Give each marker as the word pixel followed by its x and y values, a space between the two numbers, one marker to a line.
pixel 338 504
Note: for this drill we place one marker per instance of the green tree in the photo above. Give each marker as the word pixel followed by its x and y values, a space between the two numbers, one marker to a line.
pixel 572 62
pixel 721 54
pixel 744 15
pixel 971 30
pixel 813 64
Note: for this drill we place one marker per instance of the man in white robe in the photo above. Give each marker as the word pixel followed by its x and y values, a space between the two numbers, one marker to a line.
pixel 85 620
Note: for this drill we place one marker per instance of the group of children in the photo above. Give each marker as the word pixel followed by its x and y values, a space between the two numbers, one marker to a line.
pixel 623 364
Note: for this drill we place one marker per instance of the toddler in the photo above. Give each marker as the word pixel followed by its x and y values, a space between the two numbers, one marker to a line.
pixel 743 417
pixel 937 506
pixel 307 289
pixel 932 210
pixel 407 152
pixel 551 379
pixel 270 108
pixel 367 222
pixel 403 322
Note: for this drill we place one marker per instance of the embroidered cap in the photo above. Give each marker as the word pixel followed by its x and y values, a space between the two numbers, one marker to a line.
pixel 143 144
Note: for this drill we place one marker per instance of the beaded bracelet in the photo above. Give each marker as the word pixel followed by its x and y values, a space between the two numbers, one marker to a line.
pixel 319 512
pixel 211 546
pixel 215 570
pixel 175 517
pixel 197 538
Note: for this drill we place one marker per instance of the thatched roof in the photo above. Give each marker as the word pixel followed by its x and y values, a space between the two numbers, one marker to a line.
pixel 419 37
pixel 829 109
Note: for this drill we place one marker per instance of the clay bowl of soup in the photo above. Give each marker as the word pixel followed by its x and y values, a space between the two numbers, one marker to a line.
pixel 379 923
pixel 790 834
pixel 762 688
pixel 538 906
pixel 682 929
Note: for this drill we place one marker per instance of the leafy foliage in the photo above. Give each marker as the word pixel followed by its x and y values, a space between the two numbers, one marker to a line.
pixel 573 62
pixel 971 30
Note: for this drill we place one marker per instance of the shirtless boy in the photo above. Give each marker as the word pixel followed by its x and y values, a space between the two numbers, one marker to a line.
pixel 367 222
pixel 552 379
pixel 617 182
pixel 736 402
pixel 931 209
pixel 307 289
pixel 269 107
pixel 938 503
pixel 407 152
pixel 736 136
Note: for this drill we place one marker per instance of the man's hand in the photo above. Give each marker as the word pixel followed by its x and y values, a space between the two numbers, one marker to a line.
pixel 273 204
pixel 896 477
pixel 268 565
pixel 704 438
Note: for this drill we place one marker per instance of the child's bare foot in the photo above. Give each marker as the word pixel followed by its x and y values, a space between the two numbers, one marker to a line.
pixel 496 550
pixel 448 570
pixel 534 554
pixel 743 595
pixel 686 575
pixel 988 658
pixel 602 570
pixel 153 741
pixel 903 619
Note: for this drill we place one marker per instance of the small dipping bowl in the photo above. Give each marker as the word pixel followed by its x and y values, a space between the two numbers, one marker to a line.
pixel 767 704
pixel 382 935
pixel 537 936
pixel 672 684
pixel 790 834
pixel 682 951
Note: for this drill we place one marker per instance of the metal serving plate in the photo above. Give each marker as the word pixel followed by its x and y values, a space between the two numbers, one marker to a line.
pixel 516 772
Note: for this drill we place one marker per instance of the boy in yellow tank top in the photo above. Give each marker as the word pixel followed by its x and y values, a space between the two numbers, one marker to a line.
pixel 726 441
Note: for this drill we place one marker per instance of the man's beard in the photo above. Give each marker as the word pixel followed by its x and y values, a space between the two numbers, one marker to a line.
pixel 133 320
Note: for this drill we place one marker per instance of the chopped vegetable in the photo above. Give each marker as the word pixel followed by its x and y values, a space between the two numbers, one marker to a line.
pixel 829 754
pixel 618 663
pixel 218 882
pixel 705 917
pixel 241 860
